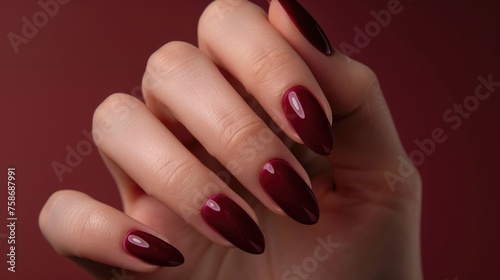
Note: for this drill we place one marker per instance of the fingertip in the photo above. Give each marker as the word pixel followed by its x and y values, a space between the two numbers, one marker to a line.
pixel 306 25
pixel 76 225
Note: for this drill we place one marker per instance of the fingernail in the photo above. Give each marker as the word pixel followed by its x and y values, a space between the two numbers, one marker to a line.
pixel 151 249
pixel 289 191
pixel 307 26
pixel 308 119
pixel 228 219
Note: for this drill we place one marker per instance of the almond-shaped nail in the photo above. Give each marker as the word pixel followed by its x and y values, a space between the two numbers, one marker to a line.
pixel 307 26
pixel 151 249
pixel 228 219
pixel 308 119
pixel 289 191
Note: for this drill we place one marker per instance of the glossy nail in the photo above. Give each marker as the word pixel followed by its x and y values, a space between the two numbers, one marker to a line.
pixel 289 191
pixel 228 219
pixel 308 119
pixel 151 249
pixel 307 26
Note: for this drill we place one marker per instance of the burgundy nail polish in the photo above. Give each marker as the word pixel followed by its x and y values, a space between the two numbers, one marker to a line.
pixel 308 119
pixel 228 219
pixel 151 249
pixel 289 191
pixel 307 26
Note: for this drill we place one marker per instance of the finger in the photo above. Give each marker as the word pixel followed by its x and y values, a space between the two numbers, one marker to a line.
pixel 229 129
pixel 78 226
pixel 365 135
pixel 238 37
pixel 142 207
pixel 139 143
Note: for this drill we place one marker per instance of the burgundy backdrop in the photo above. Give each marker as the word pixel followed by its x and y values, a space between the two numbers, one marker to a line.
pixel 428 58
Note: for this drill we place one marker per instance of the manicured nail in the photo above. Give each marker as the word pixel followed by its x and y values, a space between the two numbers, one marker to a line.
pixel 151 249
pixel 228 219
pixel 308 119
pixel 307 26
pixel 289 191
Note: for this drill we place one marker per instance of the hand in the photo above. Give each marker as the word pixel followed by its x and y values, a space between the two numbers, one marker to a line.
pixel 201 167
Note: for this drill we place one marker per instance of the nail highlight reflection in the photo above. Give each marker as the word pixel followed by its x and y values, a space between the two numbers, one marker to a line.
pixel 138 241
pixel 297 107
pixel 151 249
pixel 308 119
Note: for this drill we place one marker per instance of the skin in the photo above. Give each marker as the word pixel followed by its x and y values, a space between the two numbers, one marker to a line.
pixel 371 223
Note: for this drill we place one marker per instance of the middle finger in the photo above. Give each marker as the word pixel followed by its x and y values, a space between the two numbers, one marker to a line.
pixel 189 86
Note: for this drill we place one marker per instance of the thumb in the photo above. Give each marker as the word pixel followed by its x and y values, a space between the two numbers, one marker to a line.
pixel 364 133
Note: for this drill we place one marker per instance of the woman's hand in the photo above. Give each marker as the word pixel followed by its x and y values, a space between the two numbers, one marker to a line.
pixel 214 159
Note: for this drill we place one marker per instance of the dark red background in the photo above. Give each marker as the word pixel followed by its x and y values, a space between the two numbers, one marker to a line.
pixel 428 58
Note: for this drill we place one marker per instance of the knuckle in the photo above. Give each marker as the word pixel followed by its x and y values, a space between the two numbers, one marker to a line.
pixel 367 79
pixel 217 10
pixel 174 175
pixel 112 112
pixel 71 216
pixel 362 84
pixel 371 98
pixel 364 80
pixel 236 134
pixel 270 62
pixel 89 222
pixel 172 61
